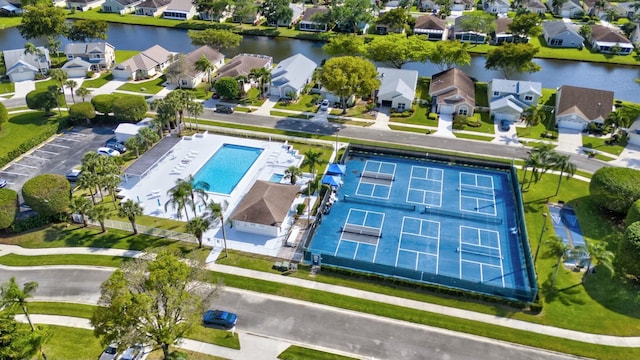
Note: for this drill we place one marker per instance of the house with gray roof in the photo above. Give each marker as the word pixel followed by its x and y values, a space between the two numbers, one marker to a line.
pixel 152 7
pixel 193 77
pixel 568 9
pixel 143 65
pixel 432 26
pixel 309 21
pixel 297 10
pixel 180 10
pixel 242 64
pixel 609 41
pixel 503 34
pixel 120 6
pixel 634 133
pixel 534 6
pixel 500 7
pixel 291 75
pixel 101 55
pixel 453 92
pixel 76 68
pixel 561 34
pixel 264 209
pixel 576 107
pixel 10 8
pixel 22 66
pixel 459 33
pixel 397 88
pixel 509 98
pixel 84 5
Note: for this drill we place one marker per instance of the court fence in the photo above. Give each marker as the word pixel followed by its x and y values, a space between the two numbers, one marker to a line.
pixel 148 230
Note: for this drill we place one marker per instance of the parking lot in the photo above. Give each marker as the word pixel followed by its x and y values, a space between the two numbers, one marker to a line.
pixel 58 155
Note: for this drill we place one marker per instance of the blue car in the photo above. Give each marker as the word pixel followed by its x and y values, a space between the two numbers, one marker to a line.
pixel 220 318
pixel 505 125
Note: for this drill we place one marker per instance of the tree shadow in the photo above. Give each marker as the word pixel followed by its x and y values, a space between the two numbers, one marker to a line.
pixel 569 295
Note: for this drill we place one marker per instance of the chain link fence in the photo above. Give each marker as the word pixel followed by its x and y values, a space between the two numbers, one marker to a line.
pixel 148 230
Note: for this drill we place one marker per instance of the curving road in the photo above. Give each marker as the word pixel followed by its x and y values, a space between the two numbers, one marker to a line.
pixel 302 322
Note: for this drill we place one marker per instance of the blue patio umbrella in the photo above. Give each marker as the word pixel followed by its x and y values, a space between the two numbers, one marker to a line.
pixel 331 180
pixel 336 169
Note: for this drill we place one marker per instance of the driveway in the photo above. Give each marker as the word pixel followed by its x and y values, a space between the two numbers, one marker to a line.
pixel 570 141
pixel 445 126
pixel 23 88
pixel 509 137
pixel 109 87
pixel 630 157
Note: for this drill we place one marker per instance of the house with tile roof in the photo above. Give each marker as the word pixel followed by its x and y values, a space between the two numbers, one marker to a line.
pixel 397 88
pixel 291 75
pixel 561 34
pixel 194 77
pixel 609 41
pixel 101 55
pixel 453 92
pixel 120 6
pixel 509 98
pixel 143 65
pixel 264 209
pixel 432 26
pixel 21 66
pixel 242 64
pixel 152 7
pixel 576 107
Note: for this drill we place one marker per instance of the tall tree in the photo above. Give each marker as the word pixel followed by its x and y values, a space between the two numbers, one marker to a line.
pixel 598 255
pixel 203 64
pixel 17 343
pixel 533 116
pixel 557 248
pixel 81 205
pixel 130 210
pixel 87 30
pixel 312 159
pixel 195 109
pixel 243 10
pixel 42 20
pixel 557 5
pixel 349 15
pixel 31 49
pixel 197 227
pixel 151 302
pixel 396 19
pixel 345 45
pixel 217 39
pixel 526 25
pixel 263 76
pixel 99 214
pixel 292 173
pixel 276 12
pixel 512 58
pixel 54 44
pixel 227 87
pixel 398 49
pixel 178 70
pixel 346 76
pixel 54 93
pixel 179 198
pixel 83 92
pixel 478 22
pixel 213 9
pixel 58 75
pixel 216 211
pixel 447 54
pixel 71 84
pixel 564 164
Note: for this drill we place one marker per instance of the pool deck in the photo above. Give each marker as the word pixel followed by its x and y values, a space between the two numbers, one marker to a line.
pixel 186 158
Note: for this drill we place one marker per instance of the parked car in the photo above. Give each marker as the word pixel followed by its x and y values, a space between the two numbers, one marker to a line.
pixel 505 125
pixel 132 353
pixel 226 109
pixel 110 353
pixel 114 144
pixel 108 151
pixel 221 318
pixel 3 183
pixel 73 175
pixel 324 106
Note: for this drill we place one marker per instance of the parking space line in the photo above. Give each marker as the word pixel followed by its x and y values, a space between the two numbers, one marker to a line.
pixel 35 157
pixel 27 166
pixel 12 173
pixel 68 139
pixel 62 146
pixel 48 152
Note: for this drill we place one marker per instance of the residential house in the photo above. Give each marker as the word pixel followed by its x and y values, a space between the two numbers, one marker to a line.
pixel 101 55
pixel 264 209
pixel 625 9
pixel 194 77
pixel 576 107
pixel 457 5
pixel 227 13
pixel 143 65
pixel 84 5
pixel 242 64
pixel 498 7
pixel 297 11
pixel 503 33
pixel 561 34
pixel 434 27
pixel 397 88
pixel 634 133
pixel 609 41
pixel 76 68
pixel 534 6
pixel 7 8
pixel 309 20
pixel 453 92
pixel 383 29
pixel 428 5
pixel 152 7
pixel 291 75
pixel 23 66
pixel 253 18
pixel 463 5
pixel 180 10
pixel 568 9
pixel 467 35
pixel 635 35
pixel 509 98
pixel 120 6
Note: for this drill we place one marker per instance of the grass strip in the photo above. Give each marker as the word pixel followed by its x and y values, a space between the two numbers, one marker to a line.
pixel 472 136
pixel 191 355
pixel 79 259
pixel 294 352
pixel 409 129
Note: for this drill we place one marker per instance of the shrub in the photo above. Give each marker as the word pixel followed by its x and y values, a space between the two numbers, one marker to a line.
pixel 31 142
pixel 30 223
pixel 103 103
pixel 633 214
pixel 130 108
pixel 460 121
pixel 629 251
pixel 615 188
pixel 82 111
pixel 41 100
pixel 474 122
pixel 90 74
pixel 8 207
pixel 4 114
pixel 300 208
pixel 47 194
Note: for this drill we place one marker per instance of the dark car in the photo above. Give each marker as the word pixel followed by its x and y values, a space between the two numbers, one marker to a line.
pixel 114 144
pixel 225 109
pixel 110 353
pixel 73 175
pixel 3 183
pixel 221 318
pixel 505 125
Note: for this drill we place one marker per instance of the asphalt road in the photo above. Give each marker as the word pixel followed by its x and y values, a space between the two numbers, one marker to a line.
pixel 297 321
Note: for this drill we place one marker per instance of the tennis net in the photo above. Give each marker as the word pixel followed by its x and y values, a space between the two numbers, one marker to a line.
pixel 359 200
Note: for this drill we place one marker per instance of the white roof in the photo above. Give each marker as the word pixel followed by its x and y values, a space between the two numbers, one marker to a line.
pixel 399 81
pixel 129 129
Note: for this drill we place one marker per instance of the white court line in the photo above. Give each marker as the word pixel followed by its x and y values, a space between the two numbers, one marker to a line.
pixel 68 139
pixel 402 232
pixel 36 157
pixel 13 173
pixel 48 152
pixel 27 166
pixel 479 244
pixel 423 191
pixel 62 146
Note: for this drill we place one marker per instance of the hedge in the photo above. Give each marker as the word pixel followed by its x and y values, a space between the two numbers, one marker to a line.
pixel 4 114
pixel 104 102
pixel 615 188
pixel 47 194
pixel 132 108
pixel 633 214
pixel 8 207
pixel 31 142
pixel 82 111
pixel 629 251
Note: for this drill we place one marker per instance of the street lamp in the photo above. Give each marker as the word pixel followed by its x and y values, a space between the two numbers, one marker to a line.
pixel 544 224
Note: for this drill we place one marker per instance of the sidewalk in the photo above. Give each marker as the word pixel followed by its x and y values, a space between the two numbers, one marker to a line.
pixel 407 303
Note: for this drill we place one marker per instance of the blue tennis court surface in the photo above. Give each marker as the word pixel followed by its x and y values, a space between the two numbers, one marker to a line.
pixel 565 224
pixel 427 221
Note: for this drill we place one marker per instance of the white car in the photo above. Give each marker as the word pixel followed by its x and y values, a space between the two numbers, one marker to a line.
pixel 108 151
pixel 324 106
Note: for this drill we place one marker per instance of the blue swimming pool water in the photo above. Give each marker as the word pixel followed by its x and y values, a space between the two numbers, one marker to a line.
pixel 224 170
pixel 437 222
pixel 276 178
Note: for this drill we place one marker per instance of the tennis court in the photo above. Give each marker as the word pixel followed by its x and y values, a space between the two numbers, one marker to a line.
pixel 428 221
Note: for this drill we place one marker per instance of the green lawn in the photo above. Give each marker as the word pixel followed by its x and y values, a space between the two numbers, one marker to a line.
pixel 409 129
pixel 145 87
pixel 306 103
pixel 289 115
pixel 7 88
pixel 357 111
pixel 294 352
pixel 536 132
pixel 98 82
pixel 44 84
pixel 23 127
pixel 472 137
pixel 487 126
pixel 420 117
pixel 10 21
pixel 598 143
pixel 482 97
pixel 64 342
pixel 122 55
pixel 41 260
pixel 582 55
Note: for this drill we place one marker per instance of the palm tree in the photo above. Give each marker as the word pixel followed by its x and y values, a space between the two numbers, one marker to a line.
pixel 83 92
pixel 198 226
pixel 58 75
pixel 53 44
pixel 179 197
pixel 292 174
pixel 81 205
pixel 203 64
pixel 599 255
pixel 263 75
pixel 196 109
pixel 533 116
pixel 130 209
pixel 88 180
pixel 313 159
pixel 12 296
pixel 242 79
pixel 148 136
pixel 135 143
pixel 30 48
pixel 199 189
pixel 540 160
pixel 559 249
pixel 217 212
pixel 99 214
pixel 563 162
pixel 71 84
pixel 111 181
pixel 54 91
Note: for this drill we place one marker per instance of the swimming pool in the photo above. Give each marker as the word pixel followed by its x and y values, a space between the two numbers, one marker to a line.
pixel 224 170
pixel 276 178
pixel 429 221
